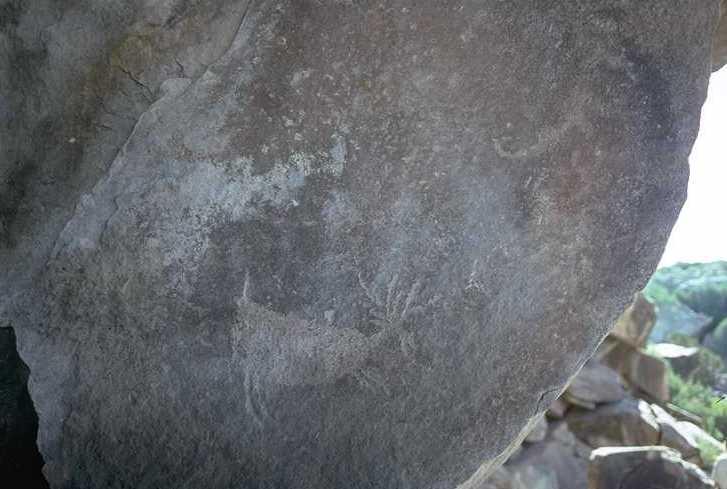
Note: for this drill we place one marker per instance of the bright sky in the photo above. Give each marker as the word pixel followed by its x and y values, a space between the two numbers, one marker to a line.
pixel 700 234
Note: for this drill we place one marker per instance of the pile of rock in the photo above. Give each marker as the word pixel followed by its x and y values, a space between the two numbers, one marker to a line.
pixel 614 427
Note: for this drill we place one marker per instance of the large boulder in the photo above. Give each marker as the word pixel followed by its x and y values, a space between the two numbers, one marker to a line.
pixel 326 243
pixel 643 468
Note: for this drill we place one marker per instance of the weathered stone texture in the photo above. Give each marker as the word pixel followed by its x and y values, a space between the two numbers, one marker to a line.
pixel 327 243
pixel 644 467
pixel 719 46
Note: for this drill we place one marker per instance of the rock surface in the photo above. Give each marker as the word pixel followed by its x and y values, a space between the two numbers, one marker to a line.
pixel 595 384
pixel 628 422
pixel 635 324
pixel 674 434
pixel 719 471
pixel 323 244
pixel 559 460
pixel 642 371
pixel 683 359
pixel 643 468
pixel 539 431
pixel 551 463
pixel 719 53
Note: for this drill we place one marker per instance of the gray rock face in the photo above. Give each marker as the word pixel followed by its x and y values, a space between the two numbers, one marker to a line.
pixel 644 372
pixel 324 244
pixel 719 47
pixel 539 431
pixel 719 471
pixel 644 467
pixel 595 384
pixel 551 464
pixel 635 324
pixel 627 422
pixel 675 435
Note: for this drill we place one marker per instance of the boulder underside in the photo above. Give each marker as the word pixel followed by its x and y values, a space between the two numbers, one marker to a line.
pixel 326 243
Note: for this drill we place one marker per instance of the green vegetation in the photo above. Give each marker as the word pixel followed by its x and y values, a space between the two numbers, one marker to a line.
pixel 689 298
pixel 702 287
pixel 708 452
pixel 669 279
pixel 683 340
pixel 691 310
pixel 716 340
pixel 707 366
pixel 700 400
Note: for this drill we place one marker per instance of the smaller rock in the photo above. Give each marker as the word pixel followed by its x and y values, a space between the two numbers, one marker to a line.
pixel 548 464
pixel 596 383
pixel 500 479
pixel 649 374
pixel 560 433
pixel 700 436
pixel 539 431
pixel 674 435
pixel 627 422
pixel 636 322
pixel 683 359
pixel 643 467
pixel 582 450
pixel 683 414
pixel 719 471
pixel 533 477
pixel 578 402
pixel 606 346
pixel 558 409
pixel 645 372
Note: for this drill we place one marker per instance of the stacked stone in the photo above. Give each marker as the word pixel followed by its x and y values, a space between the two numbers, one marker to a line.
pixel 613 426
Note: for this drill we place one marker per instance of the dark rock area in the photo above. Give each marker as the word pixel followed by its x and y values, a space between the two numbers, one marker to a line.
pixel 20 462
